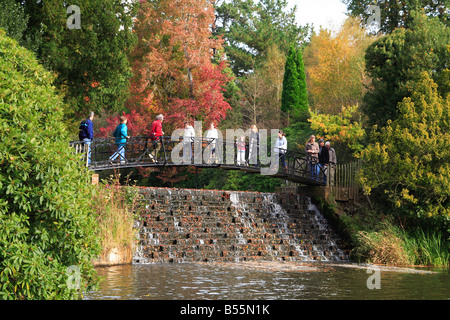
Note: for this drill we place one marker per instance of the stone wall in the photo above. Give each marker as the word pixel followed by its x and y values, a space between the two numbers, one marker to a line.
pixel 182 225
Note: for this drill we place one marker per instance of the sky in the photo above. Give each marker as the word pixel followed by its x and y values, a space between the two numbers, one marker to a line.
pixel 329 14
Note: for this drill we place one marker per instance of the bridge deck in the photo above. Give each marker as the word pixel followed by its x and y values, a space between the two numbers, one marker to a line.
pixel 138 152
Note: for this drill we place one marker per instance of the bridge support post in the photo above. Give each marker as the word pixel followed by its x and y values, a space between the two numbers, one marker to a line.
pixel 316 191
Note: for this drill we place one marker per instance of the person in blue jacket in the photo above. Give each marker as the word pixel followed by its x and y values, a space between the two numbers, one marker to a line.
pixel 86 134
pixel 121 135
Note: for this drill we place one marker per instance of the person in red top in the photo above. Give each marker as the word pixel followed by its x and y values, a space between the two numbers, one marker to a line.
pixel 156 133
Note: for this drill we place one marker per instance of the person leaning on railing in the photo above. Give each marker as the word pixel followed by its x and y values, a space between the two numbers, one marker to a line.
pixel 312 156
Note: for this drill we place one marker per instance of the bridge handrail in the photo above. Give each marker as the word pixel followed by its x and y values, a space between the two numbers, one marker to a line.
pixel 138 148
pixel 111 140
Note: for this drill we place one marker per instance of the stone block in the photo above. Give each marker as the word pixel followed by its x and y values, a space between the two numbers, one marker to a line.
pixel 179 225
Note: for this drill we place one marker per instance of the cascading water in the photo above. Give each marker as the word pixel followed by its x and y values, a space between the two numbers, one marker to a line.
pixel 196 225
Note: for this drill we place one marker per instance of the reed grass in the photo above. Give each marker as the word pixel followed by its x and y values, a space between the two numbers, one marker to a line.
pixel 427 247
pixel 393 245
pixel 114 205
pixel 382 247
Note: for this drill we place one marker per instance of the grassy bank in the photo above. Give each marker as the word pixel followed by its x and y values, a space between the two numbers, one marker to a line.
pixel 115 216
pixel 388 238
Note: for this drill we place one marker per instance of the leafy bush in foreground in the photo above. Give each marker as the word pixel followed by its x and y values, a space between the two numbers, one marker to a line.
pixel 46 221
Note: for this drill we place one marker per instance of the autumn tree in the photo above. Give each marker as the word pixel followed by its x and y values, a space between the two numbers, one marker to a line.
pixel 261 92
pixel 335 67
pixel 344 130
pixel 179 68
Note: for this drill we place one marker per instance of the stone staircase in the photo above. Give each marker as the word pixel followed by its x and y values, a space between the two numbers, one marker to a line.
pixel 182 225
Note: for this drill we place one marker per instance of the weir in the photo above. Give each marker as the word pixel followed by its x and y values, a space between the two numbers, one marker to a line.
pixel 184 225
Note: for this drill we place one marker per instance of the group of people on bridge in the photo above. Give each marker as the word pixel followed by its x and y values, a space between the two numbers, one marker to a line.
pixel 321 157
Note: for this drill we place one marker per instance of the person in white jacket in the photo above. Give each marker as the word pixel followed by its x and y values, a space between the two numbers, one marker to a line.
pixel 212 135
pixel 188 140
pixel 280 148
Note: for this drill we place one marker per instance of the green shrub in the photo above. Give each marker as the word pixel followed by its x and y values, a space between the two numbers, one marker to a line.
pixel 46 218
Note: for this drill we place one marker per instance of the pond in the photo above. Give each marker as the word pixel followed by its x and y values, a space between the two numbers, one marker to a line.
pixel 270 281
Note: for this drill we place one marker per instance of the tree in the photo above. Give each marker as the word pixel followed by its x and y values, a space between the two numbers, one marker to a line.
pixel 253 98
pixel 48 229
pixel 178 67
pixel 409 158
pixel 335 67
pixel 251 27
pixel 13 19
pixel 261 91
pixel 345 131
pixel 138 124
pixel 396 61
pixel 91 63
pixel 395 14
pixel 294 98
pixel 301 113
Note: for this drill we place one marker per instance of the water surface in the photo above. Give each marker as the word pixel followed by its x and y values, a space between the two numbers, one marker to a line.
pixel 268 281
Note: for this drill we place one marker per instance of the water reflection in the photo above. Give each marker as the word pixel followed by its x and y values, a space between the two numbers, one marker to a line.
pixel 241 282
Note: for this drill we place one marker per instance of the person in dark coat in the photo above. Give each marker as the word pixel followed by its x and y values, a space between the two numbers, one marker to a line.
pixel 324 160
pixel 86 134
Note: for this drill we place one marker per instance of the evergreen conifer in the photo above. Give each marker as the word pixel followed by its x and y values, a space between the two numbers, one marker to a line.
pixel 294 97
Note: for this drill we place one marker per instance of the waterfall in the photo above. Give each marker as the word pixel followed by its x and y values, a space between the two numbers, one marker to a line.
pixel 178 225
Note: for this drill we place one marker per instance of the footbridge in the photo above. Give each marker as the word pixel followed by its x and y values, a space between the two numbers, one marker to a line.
pixel 104 154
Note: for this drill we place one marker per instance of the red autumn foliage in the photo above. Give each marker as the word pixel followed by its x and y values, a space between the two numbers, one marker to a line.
pixel 173 69
pixel 137 124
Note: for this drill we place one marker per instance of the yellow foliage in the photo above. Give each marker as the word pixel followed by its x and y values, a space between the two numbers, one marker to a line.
pixel 335 66
pixel 409 158
pixel 340 128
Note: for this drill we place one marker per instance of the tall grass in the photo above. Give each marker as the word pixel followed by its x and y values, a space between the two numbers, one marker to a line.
pixel 114 205
pixel 393 245
pixel 427 247
pixel 384 246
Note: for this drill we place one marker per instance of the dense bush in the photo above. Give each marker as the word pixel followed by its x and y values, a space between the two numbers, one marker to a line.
pixel 46 221
pixel 409 158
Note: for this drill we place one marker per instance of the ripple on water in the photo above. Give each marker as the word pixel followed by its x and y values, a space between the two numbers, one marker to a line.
pixel 267 280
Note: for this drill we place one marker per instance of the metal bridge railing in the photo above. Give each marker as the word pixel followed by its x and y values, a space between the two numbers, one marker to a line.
pixel 143 151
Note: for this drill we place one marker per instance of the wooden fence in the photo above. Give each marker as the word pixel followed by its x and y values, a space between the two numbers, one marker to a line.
pixel 342 181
